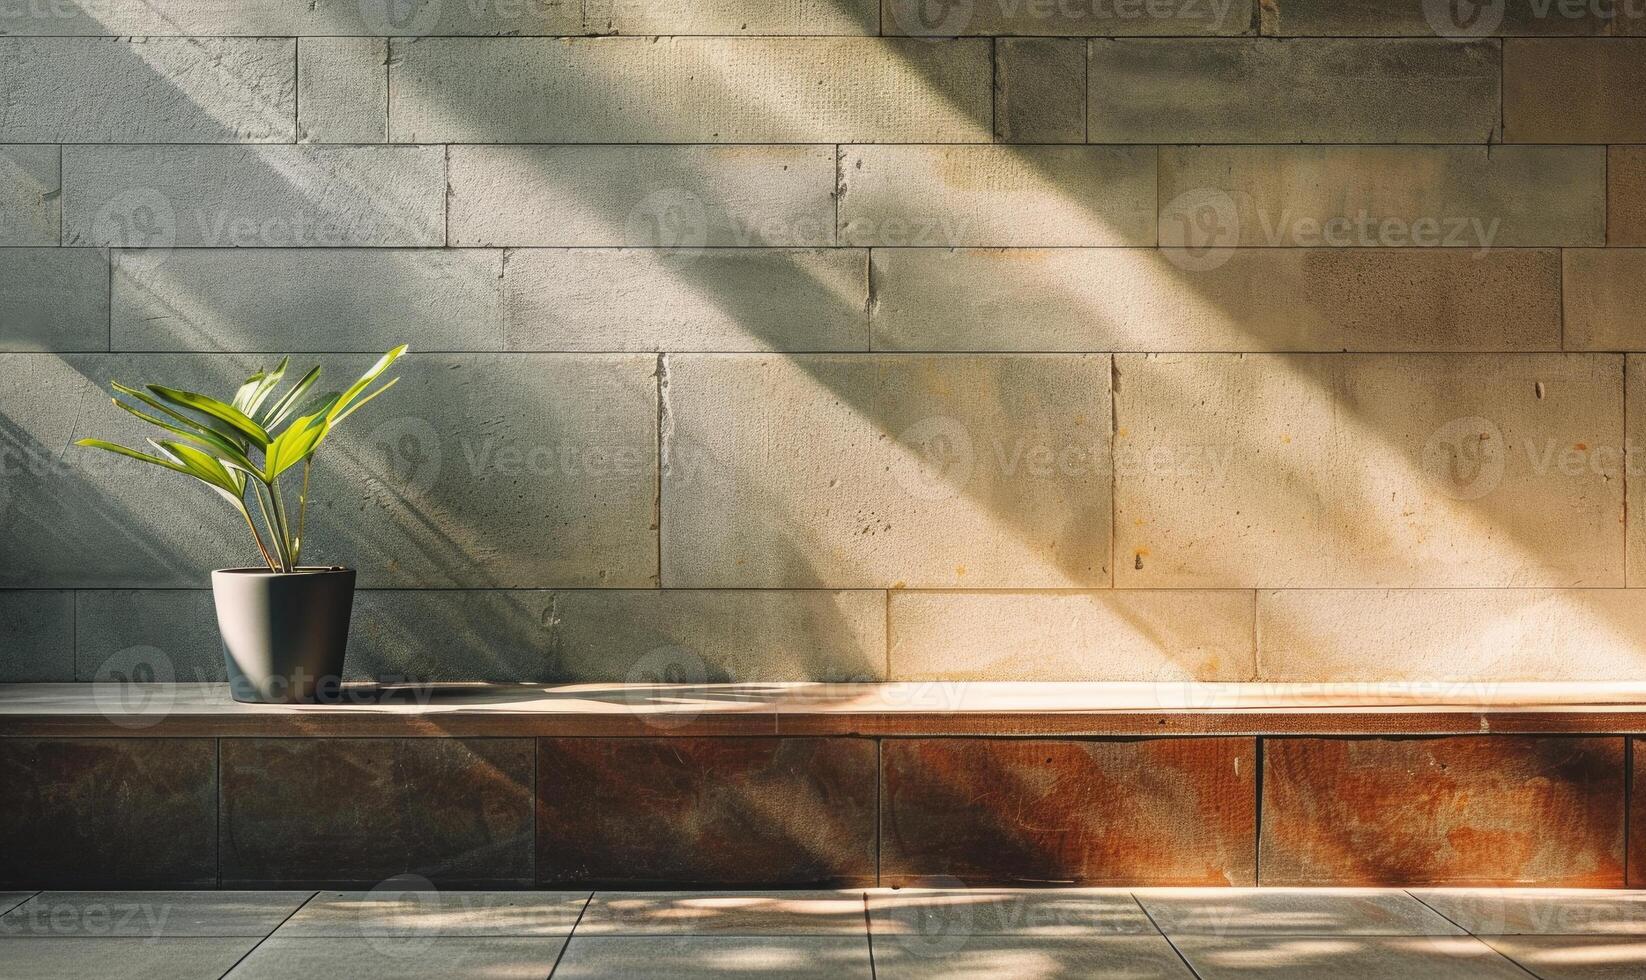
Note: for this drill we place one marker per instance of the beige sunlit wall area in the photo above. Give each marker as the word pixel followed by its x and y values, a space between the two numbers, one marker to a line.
pixel 765 340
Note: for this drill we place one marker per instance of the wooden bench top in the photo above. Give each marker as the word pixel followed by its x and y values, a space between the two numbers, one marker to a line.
pixel 917 708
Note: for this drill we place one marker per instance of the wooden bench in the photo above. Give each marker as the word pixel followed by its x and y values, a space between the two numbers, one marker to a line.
pixel 735 785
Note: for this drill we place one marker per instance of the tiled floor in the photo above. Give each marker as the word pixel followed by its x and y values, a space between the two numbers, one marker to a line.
pixel 1173 934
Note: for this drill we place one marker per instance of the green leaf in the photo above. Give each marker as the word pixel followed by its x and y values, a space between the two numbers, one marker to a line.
pixel 205 404
pixel 211 440
pixel 371 375
pixel 208 425
pixel 243 396
pixel 208 469
pixel 283 405
pixel 296 444
pixel 134 454
pixel 361 403
pixel 263 391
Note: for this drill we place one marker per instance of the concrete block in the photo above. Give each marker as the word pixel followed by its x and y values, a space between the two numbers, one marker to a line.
pixel 1368 471
pixel 1166 18
pixel 1295 91
pixel 254 196
pixel 38 630
pixel 870 471
pixel 727 17
pixel 688 90
pixel 54 299
pixel 1472 197
pixel 167 634
pixel 147 90
pixel 1040 90
pixel 308 299
pixel 291 18
pixel 1635 412
pixel 1072 636
pixel 1247 299
pixel 997 195
pixel 1476 638
pixel 31 187
pixel 342 90
pixel 1605 298
pixel 1516 18
pixel 679 197
pixel 698 300
pixel 1574 90
pixel 1626 195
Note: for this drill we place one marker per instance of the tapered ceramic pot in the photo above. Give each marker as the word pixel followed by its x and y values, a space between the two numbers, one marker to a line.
pixel 284 633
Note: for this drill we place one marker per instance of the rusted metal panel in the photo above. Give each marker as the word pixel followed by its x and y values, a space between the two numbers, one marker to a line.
pixel 356 810
pixel 1443 811
pixel 108 813
pixel 684 811
pixel 1178 811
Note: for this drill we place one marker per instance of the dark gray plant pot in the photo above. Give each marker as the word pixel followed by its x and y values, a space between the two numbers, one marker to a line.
pixel 284 633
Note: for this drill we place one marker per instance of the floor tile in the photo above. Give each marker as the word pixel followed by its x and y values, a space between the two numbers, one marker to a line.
pixel 799 913
pixel 1292 911
pixel 1006 912
pixel 1575 957
pixel 1540 911
pixel 10 900
pixel 1344 958
pixel 139 914
pixel 62 958
pixel 718 957
pixel 388 913
pixel 401 958
pixel 1030 958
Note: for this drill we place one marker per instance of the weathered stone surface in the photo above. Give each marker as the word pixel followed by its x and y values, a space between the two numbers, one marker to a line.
pixel 1471 197
pixel 1414 18
pixel 596 635
pixel 31 183
pixel 382 913
pixel 1635 412
pixel 745 914
pixel 38 631
pixel 997 195
pixel 1040 90
pixel 863 471
pixel 1637 814
pixel 147 90
pixel 741 811
pixel 1574 90
pixel 1626 195
pixel 709 957
pixel 679 197
pixel 1348 957
pixel 292 18
pixel 308 299
pixel 1457 811
pixel 1171 18
pixel 253 196
pixel 478 470
pixel 396 957
pixel 699 300
pixel 1083 636
pixel 68 958
pixel 1604 296
pixel 54 299
pixel 1252 299
pixel 1157 812
pixel 454 811
pixel 688 90
pixel 108 813
pixel 342 90
pixel 1478 637
pixel 170 634
pixel 724 17
pixel 1360 471
pixel 151 914
pixel 1294 91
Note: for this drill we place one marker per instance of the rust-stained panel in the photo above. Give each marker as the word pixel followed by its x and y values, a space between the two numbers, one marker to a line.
pixel 108 813
pixel 1488 810
pixel 1176 811
pixel 1637 815
pixel 683 811
pixel 359 810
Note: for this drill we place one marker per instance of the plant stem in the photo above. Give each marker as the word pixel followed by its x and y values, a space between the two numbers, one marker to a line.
pixel 258 490
pixel 259 539
pixel 285 529
pixel 302 512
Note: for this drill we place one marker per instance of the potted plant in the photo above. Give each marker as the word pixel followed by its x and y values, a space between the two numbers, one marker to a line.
pixel 284 626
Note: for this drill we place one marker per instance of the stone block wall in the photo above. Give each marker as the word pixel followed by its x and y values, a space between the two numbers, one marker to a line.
pixel 757 340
